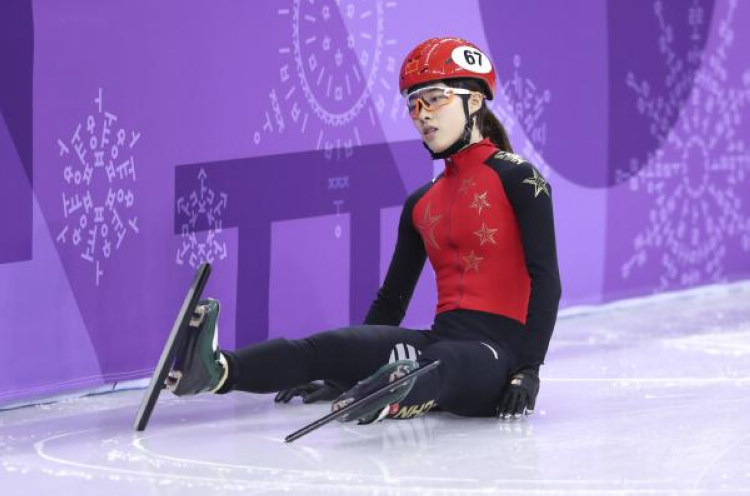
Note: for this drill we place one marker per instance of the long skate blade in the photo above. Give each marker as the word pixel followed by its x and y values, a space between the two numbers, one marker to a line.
pixel 343 411
pixel 184 317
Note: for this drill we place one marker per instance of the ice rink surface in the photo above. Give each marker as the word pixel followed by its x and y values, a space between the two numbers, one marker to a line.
pixel 644 397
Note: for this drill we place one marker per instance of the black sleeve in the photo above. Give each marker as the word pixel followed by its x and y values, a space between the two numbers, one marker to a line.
pixel 531 197
pixel 408 260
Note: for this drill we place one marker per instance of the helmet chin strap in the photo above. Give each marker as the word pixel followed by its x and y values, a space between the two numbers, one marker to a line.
pixel 462 141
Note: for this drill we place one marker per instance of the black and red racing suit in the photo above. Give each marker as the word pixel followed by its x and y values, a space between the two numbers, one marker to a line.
pixel 486 225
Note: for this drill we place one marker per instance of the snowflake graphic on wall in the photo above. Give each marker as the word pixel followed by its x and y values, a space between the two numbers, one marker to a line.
pixel 201 226
pixel 524 119
pixel 98 198
pixel 696 178
pixel 336 65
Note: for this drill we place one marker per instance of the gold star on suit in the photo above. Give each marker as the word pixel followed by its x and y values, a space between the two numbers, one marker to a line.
pixel 472 261
pixel 540 184
pixel 427 226
pixel 465 184
pixel 486 235
pixel 480 201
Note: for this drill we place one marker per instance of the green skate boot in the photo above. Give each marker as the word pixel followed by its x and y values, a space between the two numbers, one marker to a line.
pixel 198 365
pixel 378 408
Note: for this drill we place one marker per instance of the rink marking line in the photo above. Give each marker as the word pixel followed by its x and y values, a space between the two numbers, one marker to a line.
pixel 718 457
pixel 137 443
pixel 39 447
pixel 40 450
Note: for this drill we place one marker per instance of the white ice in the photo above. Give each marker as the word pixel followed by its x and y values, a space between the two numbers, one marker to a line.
pixel 645 397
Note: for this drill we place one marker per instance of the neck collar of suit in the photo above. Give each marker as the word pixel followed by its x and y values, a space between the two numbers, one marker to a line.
pixel 469 157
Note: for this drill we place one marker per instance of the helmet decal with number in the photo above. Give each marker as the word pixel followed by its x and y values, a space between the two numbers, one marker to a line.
pixel 471 59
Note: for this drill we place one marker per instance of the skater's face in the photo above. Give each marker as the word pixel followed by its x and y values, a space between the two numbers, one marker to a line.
pixel 438 115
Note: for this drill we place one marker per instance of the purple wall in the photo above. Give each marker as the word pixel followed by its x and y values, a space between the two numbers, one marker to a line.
pixel 139 139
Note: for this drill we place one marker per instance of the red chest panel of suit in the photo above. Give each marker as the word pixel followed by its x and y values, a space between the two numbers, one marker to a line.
pixel 471 235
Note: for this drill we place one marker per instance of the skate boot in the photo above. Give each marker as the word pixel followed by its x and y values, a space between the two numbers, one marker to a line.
pixel 198 365
pixel 378 408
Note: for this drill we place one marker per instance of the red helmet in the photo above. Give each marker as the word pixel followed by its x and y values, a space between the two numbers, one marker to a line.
pixel 446 58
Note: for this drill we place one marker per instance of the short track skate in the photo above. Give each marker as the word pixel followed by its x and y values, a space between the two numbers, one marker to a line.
pixel 189 315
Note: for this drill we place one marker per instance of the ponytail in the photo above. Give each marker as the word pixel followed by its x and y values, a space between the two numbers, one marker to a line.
pixel 488 124
pixel 489 127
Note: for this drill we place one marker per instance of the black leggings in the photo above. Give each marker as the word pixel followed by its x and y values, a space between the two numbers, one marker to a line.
pixel 468 382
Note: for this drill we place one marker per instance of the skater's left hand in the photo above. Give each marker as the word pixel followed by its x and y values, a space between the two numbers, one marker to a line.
pixel 520 395
pixel 310 392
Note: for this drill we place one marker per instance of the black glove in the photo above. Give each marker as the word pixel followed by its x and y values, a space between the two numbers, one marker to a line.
pixel 520 394
pixel 310 392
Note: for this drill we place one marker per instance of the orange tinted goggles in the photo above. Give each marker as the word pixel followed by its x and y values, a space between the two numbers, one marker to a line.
pixel 431 98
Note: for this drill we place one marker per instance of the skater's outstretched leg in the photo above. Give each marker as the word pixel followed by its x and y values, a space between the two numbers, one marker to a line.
pixel 199 366
pixel 342 356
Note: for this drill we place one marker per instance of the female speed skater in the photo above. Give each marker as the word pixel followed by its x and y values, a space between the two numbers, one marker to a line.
pixel 486 225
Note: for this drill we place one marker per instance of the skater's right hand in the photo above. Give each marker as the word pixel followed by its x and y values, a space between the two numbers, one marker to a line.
pixel 310 392
pixel 520 395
